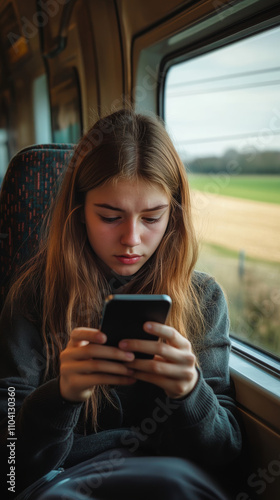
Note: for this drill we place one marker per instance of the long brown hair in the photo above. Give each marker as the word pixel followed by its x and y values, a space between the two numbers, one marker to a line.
pixel 65 283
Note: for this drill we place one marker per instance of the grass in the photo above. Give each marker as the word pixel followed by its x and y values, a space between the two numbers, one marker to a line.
pixel 250 187
pixel 253 297
pixel 220 251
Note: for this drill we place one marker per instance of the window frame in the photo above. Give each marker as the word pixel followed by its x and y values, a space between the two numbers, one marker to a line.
pixel 257 355
pixel 207 45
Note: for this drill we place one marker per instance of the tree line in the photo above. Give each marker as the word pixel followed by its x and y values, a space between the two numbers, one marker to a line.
pixel 251 162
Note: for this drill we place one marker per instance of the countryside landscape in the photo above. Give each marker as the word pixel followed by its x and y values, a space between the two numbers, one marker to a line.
pixel 237 220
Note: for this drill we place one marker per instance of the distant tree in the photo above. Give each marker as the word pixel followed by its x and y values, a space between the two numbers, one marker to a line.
pixel 252 162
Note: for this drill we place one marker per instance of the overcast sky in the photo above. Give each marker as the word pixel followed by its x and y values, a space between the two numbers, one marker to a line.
pixel 231 93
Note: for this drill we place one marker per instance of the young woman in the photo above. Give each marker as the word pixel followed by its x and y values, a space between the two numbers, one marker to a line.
pixel 94 421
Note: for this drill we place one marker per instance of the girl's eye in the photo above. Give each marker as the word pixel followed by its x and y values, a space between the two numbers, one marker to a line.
pixel 151 220
pixel 109 220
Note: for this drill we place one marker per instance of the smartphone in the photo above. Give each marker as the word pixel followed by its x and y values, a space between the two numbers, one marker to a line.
pixel 124 315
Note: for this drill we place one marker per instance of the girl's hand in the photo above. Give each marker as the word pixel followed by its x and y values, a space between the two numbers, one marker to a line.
pixel 86 362
pixel 173 367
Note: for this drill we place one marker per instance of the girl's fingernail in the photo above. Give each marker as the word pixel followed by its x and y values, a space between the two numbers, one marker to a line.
pixel 129 355
pixel 101 337
pixel 123 344
pixel 149 326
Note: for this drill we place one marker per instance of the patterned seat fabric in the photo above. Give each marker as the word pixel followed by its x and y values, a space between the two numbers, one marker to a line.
pixel 28 186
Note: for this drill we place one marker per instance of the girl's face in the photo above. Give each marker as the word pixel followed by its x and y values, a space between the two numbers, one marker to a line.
pixel 125 223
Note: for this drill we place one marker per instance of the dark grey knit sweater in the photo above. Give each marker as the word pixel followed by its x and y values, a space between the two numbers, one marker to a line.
pixel 51 433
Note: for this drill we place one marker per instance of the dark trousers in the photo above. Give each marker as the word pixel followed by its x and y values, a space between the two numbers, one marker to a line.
pixel 114 476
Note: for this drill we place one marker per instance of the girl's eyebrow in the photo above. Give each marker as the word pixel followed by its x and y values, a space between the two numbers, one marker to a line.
pixel 110 207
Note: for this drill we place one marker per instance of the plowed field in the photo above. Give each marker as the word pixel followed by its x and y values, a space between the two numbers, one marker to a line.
pixel 238 224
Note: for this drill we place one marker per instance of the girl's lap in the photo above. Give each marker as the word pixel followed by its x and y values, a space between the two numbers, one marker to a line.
pixel 115 474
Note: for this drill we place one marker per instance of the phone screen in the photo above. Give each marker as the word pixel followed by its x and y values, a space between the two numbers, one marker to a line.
pixel 124 315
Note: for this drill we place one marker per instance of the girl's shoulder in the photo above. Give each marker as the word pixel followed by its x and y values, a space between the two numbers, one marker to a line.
pixel 205 284
pixel 15 316
pixel 211 296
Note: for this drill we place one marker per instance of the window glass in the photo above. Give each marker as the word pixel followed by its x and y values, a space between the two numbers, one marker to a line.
pixel 66 107
pixel 4 153
pixel 42 113
pixel 4 140
pixel 222 111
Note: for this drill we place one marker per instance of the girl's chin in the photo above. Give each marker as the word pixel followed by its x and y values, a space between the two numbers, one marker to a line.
pixel 125 272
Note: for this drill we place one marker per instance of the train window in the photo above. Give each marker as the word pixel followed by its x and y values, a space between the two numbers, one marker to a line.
pixel 4 143
pixel 222 111
pixel 66 107
pixel 4 154
pixel 42 113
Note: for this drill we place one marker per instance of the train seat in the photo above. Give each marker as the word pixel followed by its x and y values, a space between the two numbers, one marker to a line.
pixel 27 188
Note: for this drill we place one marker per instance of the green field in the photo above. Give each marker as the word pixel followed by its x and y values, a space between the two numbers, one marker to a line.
pixel 251 284
pixel 253 296
pixel 249 187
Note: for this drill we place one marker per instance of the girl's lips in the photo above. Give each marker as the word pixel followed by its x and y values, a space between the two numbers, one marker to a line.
pixel 128 259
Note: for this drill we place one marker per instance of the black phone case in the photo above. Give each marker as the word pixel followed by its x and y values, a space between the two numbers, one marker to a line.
pixel 124 315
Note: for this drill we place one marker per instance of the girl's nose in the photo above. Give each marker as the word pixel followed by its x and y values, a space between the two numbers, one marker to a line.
pixel 130 236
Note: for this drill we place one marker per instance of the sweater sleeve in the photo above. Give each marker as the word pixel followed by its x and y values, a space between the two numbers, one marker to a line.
pixel 205 425
pixel 36 425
